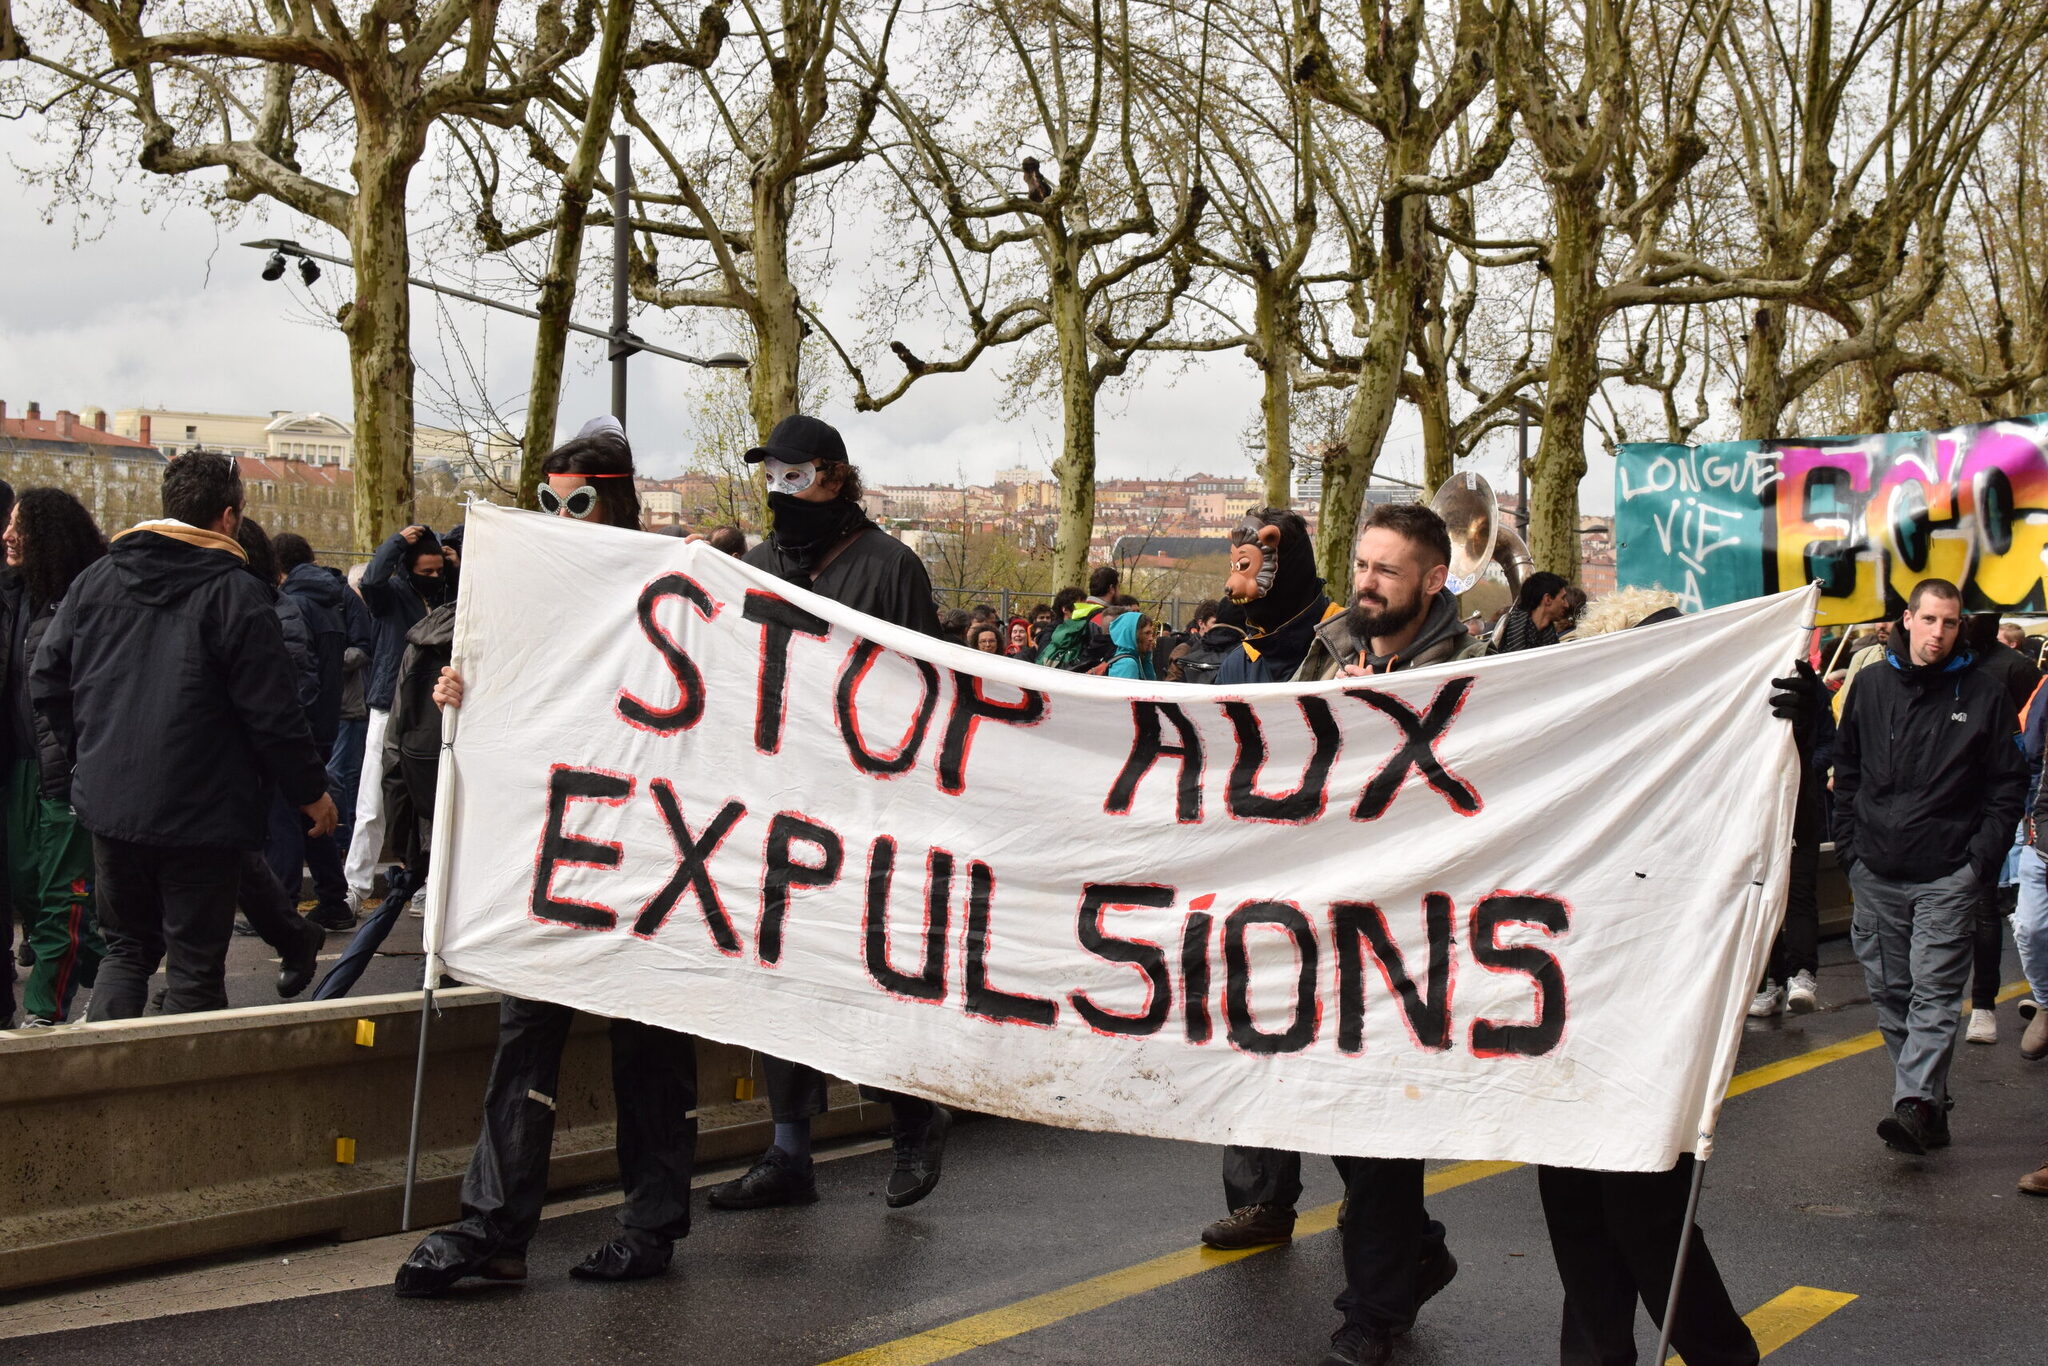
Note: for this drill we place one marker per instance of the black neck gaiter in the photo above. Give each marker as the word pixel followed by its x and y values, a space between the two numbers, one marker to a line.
pixel 805 532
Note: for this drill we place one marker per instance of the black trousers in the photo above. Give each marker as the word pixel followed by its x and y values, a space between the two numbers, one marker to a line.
pixel 1987 949
pixel 169 906
pixel 1797 947
pixel 272 915
pixel 1260 1176
pixel 796 1092
pixel 654 1082
pixel 1615 1236
pixel 1387 1236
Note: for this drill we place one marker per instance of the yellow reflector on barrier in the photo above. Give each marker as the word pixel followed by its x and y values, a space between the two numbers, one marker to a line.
pixel 345 1151
pixel 366 1033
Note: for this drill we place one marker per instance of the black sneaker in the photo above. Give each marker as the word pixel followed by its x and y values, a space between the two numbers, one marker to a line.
pixel 919 1153
pixel 1911 1127
pixel 1437 1272
pixel 1360 1344
pixel 333 919
pixel 773 1180
pixel 634 1255
pixel 1252 1226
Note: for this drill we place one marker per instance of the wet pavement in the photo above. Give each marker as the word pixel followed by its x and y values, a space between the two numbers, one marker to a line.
pixel 1048 1246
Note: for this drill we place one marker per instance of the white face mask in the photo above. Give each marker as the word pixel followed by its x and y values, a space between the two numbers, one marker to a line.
pixel 789 479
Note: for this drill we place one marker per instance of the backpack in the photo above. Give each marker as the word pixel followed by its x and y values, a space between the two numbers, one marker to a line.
pixel 1079 645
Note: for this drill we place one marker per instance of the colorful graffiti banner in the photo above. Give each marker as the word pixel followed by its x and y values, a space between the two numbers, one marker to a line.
pixel 1866 517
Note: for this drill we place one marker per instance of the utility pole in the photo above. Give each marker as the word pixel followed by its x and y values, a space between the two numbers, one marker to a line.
pixel 622 348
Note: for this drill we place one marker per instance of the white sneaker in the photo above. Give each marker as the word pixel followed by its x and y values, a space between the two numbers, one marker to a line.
pixel 1770 1001
pixel 1983 1027
pixel 1802 993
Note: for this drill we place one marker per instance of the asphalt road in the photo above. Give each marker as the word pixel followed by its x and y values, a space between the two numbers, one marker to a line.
pixel 1046 1246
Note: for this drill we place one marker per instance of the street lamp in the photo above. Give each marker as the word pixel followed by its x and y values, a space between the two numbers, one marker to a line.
pixel 623 343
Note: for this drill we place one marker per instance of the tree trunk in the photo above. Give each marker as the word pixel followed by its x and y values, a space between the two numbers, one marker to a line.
pixel 1434 405
pixel 774 391
pixel 1577 316
pixel 558 286
pixel 1271 322
pixel 1347 471
pixel 1075 468
pixel 379 331
pixel 1762 403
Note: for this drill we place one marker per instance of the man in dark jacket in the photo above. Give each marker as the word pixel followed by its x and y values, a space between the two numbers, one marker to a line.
pixel 1929 782
pixel 164 675
pixel 404 582
pixel 824 542
pixel 345 760
pixel 1401 617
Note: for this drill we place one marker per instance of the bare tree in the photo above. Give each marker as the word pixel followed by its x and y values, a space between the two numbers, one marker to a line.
pixel 1073 244
pixel 1387 71
pixel 256 93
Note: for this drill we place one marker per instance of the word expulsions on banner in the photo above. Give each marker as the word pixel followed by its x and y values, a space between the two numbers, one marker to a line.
pixel 1189 959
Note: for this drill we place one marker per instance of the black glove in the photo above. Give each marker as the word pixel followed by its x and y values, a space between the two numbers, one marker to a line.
pixel 1799 697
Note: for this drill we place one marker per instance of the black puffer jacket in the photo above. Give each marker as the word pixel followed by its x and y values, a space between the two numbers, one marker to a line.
pixel 1928 774
pixel 165 678
pixel 29 733
pixel 875 573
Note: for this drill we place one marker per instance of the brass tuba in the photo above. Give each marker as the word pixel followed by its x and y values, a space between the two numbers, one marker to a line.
pixel 1478 535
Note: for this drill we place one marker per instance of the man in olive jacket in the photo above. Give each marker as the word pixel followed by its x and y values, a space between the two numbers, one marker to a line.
pixel 165 678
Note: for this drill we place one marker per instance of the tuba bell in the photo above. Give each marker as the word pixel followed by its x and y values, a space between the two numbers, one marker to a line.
pixel 1478 535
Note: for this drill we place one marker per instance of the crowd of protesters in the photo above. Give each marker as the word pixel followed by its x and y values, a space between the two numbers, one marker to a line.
pixel 203 719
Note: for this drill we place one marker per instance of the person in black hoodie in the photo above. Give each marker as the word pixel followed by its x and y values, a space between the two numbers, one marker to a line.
pixel 1929 782
pixel 165 680
pixel 654 1071
pixel 1273 579
pixel 50 540
pixel 405 580
pixel 321 598
pixel 824 542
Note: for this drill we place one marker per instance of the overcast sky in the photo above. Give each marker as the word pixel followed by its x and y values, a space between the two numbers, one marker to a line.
pixel 164 310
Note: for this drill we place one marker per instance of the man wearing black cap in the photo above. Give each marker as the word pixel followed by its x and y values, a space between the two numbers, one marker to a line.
pixel 823 541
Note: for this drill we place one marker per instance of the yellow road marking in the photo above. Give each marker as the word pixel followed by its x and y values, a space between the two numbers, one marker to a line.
pixel 1041 1311
pixel 1778 1322
pixel 1821 1057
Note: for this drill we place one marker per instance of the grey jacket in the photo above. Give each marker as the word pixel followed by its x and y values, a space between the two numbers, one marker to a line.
pixel 1443 637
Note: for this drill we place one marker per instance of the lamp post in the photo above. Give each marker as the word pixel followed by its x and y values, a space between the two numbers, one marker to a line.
pixel 624 345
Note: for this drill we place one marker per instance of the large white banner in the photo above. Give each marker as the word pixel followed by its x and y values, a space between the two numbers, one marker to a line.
pixel 1509 909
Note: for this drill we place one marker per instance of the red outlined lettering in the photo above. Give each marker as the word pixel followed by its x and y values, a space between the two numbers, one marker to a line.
pixel 559 849
pixel 1419 738
pixel 1494 913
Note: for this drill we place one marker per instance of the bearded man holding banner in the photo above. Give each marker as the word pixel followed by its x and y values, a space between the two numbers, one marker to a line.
pixel 1401 617
pixel 824 541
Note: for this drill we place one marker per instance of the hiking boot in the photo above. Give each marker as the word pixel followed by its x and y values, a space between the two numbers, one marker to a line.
pixel 635 1255
pixel 1909 1127
pixel 1983 1027
pixel 1768 1002
pixel 774 1179
pixel 1802 993
pixel 919 1153
pixel 1251 1226
pixel 1360 1344
pixel 295 969
pixel 2034 1039
pixel 2035 1182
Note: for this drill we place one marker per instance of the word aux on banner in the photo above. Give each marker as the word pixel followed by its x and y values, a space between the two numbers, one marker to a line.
pixel 1866 517
pixel 1512 909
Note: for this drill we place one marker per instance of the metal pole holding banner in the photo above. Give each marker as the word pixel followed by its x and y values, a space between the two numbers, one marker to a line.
pixel 1692 1209
pixel 440 868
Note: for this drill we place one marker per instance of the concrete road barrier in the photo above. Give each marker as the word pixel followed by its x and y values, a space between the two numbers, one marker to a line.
pixel 140 1142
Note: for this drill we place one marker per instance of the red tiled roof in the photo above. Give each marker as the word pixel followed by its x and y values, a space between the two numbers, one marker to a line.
pixel 261 469
pixel 45 429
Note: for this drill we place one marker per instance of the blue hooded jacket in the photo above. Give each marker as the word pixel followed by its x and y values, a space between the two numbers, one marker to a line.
pixel 1129 661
